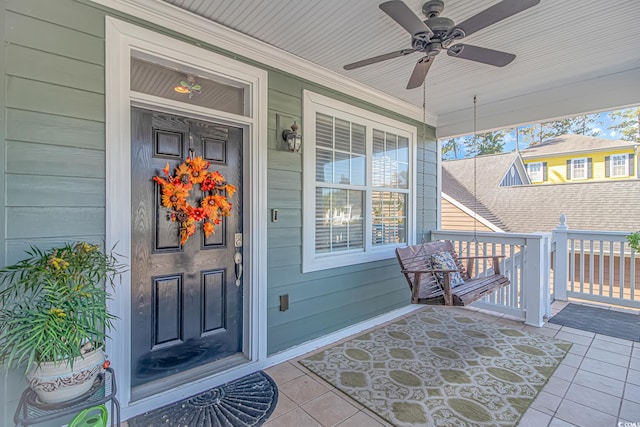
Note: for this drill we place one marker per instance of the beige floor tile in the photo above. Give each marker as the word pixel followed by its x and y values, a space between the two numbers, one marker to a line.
pixel 295 418
pixel 574 338
pixel 534 418
pixel 612 357
pixel 547 332
pixel 303 389
pixel 572 360
pixel 565 372
pixel 614 340
pixel 329 409
pixel 360 419
pixel 633 377
pixel 283 406
pixel 584 416
pixel 284 372
pixel 603 368
pixel 578 332
pixel 594 399
pixel 557 422
pixel 630 411
pixel 348 398
pixel 557 386
pixel 578 349
pixel 546 402
pixel 632 392
pixel 599 382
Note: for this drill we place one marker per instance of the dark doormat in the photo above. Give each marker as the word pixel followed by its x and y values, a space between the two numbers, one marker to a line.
pixel 248 401
pixel 599 320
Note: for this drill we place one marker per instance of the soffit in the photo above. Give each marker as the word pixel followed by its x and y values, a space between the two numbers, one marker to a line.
pixel 573 56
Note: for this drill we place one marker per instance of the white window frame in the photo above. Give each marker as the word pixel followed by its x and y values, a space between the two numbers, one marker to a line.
pixel 625 171
pixel 539 175
pixel 315 103
pixel 574 162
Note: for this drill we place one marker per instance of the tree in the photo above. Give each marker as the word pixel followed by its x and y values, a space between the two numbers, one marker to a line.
pixel 488 143
pixel 454 145
pixel 626 123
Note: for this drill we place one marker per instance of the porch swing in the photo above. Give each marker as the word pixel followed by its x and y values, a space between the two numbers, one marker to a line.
pixel 435 272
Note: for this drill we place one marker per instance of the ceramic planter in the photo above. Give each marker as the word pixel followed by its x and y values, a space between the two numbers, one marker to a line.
pixel 57 382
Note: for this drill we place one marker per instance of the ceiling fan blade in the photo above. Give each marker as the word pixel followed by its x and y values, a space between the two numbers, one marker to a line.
pixel 495 13
pixel 420 72
pixel 481 54
pixel 378 58
pixel 408 20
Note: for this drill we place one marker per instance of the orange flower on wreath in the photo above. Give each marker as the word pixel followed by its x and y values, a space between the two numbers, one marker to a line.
pixel 176 190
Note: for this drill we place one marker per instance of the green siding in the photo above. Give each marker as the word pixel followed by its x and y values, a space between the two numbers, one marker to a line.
pixel 52 167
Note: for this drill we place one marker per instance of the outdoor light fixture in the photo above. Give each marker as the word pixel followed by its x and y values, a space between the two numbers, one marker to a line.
pixel 293 138
pixel 189 86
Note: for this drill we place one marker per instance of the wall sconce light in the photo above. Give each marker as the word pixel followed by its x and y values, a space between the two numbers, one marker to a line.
pixel 293 138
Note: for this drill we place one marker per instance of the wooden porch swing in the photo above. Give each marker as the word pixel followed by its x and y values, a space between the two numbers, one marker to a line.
pixel 435 272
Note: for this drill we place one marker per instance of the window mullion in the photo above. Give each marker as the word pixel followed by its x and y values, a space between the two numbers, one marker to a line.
pixel 368 196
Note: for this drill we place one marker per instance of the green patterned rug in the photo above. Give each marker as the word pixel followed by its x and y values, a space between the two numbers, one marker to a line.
pixel 440 367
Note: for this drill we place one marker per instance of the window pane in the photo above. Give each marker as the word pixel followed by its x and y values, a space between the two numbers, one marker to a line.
pixel 389 218
pixel 324 130
pixel 324 165
pixel 579 167
pixel 358 170
pixel 342 168
pixel 159 80
pixel 343 135
pixel 339 220
pixel 358 142
pixel 619 165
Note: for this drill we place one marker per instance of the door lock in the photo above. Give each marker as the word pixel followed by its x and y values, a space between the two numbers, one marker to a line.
pixel 237 240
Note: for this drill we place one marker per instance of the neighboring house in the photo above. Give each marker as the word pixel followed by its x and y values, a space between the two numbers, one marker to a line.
pixel 569 158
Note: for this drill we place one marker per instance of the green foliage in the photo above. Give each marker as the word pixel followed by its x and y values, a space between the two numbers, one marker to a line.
pixel 634 240
pixel 487 143
pixel 627 123
pixel 54 302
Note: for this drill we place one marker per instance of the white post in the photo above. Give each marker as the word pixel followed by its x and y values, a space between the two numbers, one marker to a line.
pixel 534 265
pixel 561 261
pixel 546 271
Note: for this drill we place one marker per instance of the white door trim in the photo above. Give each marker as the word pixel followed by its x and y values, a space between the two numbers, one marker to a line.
pixel 123 39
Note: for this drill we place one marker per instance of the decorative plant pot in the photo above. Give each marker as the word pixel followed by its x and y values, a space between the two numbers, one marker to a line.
pixel 57 382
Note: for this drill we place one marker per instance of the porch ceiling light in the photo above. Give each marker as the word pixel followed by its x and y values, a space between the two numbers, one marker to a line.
pixel 293 138
pixel 189 86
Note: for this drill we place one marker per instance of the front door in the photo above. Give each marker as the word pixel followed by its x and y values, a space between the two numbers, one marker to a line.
pixel 186 300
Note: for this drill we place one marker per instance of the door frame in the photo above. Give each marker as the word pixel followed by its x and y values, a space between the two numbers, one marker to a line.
pixel 122 41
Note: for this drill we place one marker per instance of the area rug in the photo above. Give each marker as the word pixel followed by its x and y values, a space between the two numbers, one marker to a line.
pixel 599 320
pixel 440 367
pixel 248 401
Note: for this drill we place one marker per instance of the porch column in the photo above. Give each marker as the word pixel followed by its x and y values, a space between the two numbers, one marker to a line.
pixel 534 289
pixel 560 260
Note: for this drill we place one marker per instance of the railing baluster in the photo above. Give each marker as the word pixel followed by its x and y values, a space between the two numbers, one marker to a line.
pixel 601 267
pixel 591 271
pixel 622 262
pixel 611 268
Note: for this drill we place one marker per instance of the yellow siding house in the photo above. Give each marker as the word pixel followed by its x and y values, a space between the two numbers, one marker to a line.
pixel 579 158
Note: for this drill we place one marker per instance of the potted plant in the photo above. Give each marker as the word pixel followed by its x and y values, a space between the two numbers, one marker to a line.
pixel 53 317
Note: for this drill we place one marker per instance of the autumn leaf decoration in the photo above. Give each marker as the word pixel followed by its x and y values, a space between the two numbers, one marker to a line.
pixel 213 205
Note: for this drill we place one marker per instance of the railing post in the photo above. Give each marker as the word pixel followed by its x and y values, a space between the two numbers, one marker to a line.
pixel 533 287
pixel 560 260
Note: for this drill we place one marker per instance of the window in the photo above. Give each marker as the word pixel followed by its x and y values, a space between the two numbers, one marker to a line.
pixel 536 171
pixel 579 168
pixel 619 165
pixel 357 200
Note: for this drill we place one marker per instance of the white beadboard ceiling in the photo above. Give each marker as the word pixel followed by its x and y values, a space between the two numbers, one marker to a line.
pixel 573 56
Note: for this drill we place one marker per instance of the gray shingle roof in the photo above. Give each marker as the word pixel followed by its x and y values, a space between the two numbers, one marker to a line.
pixel 597 205
pixel 565 144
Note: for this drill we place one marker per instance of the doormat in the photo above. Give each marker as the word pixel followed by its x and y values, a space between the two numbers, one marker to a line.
pixel 248 401
pixel 599 320
pixel 439 367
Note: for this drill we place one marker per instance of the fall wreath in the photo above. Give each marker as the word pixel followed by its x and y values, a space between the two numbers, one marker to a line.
pixel 213 205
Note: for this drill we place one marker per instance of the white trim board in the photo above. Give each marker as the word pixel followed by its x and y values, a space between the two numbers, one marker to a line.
pixel 183 22
pixel 123 40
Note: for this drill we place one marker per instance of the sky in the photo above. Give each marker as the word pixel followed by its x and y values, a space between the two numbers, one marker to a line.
pixel 602 119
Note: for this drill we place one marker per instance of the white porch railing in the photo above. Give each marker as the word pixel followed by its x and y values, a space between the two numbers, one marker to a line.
pixel 596 266
pixel 526 264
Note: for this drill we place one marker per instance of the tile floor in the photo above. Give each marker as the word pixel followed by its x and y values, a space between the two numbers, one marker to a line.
pixel 597 385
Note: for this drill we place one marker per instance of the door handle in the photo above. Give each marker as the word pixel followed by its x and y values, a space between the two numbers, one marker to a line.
pixel 237 258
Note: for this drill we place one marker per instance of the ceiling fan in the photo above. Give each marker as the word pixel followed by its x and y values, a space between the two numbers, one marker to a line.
pixel 437 33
